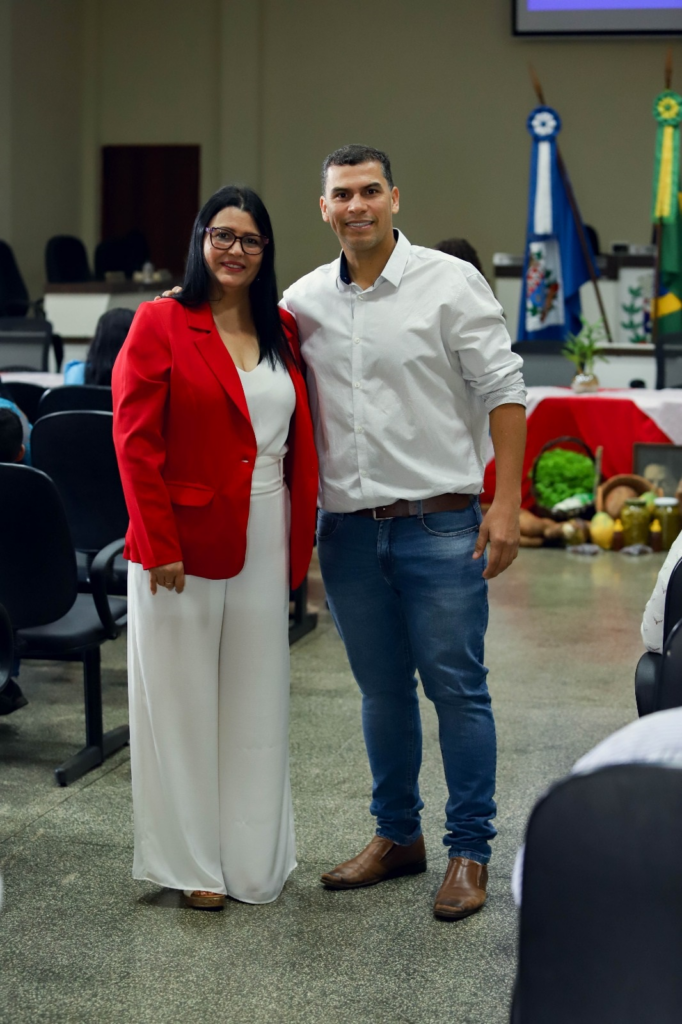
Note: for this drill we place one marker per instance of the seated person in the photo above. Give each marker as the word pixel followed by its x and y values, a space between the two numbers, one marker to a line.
pixel 654 739
pixel 7 403
pixel 112 330
pixel 652 622
pixel 462 249
pixel 12 449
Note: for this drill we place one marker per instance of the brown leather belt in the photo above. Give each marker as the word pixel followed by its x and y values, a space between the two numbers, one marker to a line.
pixel 400 509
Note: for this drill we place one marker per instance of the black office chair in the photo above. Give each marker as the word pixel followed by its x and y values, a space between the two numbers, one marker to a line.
pixel 66 261
pixel 136 248
pixel 50 619
pixel 76 450
pixel 75 396
pixel 26 396
pixel 600 937
pixel 14 300
pixel 27 341
pixel 646 673
pixel 669 681
pixel 6 648
pixel 111 255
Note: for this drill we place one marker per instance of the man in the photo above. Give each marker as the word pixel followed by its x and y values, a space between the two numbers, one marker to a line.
pixel 407 356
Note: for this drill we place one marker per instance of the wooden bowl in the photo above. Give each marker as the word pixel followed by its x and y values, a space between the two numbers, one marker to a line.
pixel 613 493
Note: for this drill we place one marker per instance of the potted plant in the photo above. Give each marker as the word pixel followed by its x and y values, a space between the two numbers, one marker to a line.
pixel 583 350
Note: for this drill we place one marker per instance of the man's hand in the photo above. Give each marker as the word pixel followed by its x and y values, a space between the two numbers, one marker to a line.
pixel 500 526
pixel 171 576
pixel 169 294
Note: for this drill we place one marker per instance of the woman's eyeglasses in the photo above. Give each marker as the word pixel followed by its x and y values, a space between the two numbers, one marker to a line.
pixel 223 238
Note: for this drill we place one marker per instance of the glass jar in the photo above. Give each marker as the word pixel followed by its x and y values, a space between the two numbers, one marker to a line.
pixel 635 518
pixel 667 511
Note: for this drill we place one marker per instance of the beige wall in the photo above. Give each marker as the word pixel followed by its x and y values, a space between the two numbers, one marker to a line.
pixel 40 109
pixel 268 87
pixel 444 88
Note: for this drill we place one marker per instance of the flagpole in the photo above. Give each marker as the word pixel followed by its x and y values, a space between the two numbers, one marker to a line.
pixel 655 334
pixel 587 256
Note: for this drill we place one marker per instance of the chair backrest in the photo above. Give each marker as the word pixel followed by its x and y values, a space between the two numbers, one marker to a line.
pixel 75 396
pixel 66 261
pixel 601 919
pixel 669 682
pixel 6 648
pixel 111 254
pixel 38 576
pixel 76 450
pixel 673 601
pixel 14 300
pixel 27 397
pixel 25 342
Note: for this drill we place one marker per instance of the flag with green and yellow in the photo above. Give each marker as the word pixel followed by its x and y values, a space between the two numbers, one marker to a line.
pixel 667 211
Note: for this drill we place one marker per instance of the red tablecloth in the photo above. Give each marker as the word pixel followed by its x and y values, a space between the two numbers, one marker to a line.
pixel 615 423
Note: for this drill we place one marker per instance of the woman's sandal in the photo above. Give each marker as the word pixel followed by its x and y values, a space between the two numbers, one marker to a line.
pixel 202 900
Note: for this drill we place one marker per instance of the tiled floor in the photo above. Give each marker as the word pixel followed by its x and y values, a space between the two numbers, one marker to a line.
pixel 82 943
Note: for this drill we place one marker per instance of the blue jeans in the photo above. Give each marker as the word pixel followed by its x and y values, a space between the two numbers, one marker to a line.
pixel 406 595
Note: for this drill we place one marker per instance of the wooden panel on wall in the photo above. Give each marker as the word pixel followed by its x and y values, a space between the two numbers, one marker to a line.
pixel 155 190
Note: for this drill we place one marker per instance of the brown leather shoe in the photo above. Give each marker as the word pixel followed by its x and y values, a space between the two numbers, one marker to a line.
pixel 463 889
pixel 202 900
pixel 380 860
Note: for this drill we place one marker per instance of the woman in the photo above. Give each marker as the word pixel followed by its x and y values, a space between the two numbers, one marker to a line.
pixel 112 330
pixel 208 401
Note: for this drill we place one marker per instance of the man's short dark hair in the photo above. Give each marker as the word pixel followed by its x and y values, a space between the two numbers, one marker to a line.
pixel 350 156
pixel 11 435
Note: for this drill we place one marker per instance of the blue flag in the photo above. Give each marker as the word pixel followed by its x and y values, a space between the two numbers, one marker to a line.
pixel 554 266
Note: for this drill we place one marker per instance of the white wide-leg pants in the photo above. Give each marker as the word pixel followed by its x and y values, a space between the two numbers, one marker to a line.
pixel 208 675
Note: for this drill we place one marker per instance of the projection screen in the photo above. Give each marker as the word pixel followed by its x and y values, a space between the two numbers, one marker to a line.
pixel 597 17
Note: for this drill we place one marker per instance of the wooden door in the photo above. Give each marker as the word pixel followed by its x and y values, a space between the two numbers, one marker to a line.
pixel 155 190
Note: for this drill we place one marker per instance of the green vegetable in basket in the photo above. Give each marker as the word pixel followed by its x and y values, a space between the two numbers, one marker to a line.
pixel 560 474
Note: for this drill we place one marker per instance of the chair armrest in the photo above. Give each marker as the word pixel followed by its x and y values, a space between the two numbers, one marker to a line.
pixel 99 573
pixel 6 647
pixel 646 682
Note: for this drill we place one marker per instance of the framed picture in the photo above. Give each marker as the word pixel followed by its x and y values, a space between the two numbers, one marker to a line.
pixel 661 465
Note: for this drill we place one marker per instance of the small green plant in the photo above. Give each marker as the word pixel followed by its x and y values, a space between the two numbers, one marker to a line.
pixel 584 349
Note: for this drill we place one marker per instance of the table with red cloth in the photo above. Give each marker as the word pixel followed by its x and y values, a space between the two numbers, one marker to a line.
pixel 614 418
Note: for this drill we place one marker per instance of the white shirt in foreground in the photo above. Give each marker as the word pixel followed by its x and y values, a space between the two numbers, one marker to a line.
pixel 652 622
pixel 402 376
pixel 654 739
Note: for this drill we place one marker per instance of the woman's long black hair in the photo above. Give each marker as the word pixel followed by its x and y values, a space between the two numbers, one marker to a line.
pixel 196 288
pixel 112 330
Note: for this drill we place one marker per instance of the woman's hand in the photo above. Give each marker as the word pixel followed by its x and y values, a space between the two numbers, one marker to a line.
pixel 169 294
pixel 171 576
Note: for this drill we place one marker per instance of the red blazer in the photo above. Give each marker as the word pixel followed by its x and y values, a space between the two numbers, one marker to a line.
pixel 186 448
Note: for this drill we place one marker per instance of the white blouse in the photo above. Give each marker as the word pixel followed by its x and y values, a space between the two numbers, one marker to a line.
pixel 271 401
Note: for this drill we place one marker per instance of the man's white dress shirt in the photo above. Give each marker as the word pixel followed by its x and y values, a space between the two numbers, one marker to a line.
pixel 402 376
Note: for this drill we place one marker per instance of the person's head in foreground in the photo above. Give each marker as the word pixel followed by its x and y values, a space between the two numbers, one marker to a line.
pixel 112 330
pixel 359 198
pixel 11 437
pixel 232 258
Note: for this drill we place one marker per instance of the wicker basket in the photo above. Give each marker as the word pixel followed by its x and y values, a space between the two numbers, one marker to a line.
pixel 586 511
